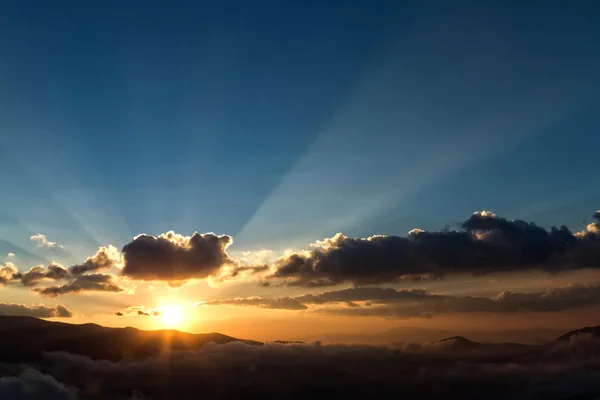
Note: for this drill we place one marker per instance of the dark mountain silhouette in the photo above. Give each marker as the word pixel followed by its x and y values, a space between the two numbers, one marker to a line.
pixel 589 330
pixel 459 342
pixel 288 342
pixel 401 334
pixel 26 338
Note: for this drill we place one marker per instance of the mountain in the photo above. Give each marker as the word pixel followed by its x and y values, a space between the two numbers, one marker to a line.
pixel 459 342
pixel 403 334
pixel 590 330
pixel 25 339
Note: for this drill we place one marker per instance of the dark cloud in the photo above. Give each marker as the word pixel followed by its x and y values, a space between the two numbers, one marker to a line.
pixel 173 257
pixel 8 272
pixel 39 311
pixel 280 303
pixel 105 258
pixel 32 384
pixel 140 311
pixel 457 369
pixel 52 271
pixel 486 243
pixel 407 303
pixel 83 283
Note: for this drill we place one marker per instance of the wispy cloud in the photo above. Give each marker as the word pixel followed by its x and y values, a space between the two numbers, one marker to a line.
pixel 42 241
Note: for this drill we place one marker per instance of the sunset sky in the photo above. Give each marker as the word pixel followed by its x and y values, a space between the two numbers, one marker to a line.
pixel 276 170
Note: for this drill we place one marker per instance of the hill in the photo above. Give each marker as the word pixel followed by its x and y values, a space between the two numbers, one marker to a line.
pixel 590 330
pixel 25 339
pixel 403 334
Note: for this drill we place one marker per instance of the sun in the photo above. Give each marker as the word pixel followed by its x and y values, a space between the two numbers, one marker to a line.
pixel 171 315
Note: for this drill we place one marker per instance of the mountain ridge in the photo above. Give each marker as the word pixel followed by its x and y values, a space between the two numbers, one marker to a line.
pixel 27 338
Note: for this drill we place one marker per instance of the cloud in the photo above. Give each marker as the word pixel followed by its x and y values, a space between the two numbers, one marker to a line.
pixel 34 275
pixel 11 255
pixel 8 272
pixel 486 243
pixel 173 257
pixel 32 384
pixel 139 311
pixel 275 370
pixel 407 303
pixel 36 311
pixel 83 283
pixel 280 303
pixel 42 241
pixel 105 258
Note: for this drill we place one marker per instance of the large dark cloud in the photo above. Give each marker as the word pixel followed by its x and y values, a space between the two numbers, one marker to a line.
pixel 91 282
pixel 36 311
pixel 443 370
pixel 173 257
pixel 105 258
pixel 486 243
pixel 407 303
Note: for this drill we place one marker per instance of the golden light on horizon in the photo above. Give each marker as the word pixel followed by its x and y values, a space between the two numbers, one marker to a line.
pixel 171 316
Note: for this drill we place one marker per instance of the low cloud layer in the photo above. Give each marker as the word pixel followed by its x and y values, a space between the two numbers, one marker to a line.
pixel 486 243
pixel 441 370
pixel 36 311
pixel 278 303
pixel 31 384
pixel 173 257
pixel 91 282
pixel 407 303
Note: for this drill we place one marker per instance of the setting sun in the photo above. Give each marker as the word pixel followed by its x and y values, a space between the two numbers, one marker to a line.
pixel 171 316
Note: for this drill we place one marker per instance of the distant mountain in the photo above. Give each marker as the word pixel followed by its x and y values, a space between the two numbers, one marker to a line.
pixel 459 342
pixel 401 334
pixel 25 339
pixel 590 330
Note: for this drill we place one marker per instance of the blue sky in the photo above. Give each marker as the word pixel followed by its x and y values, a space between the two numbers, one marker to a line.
pixel 285 122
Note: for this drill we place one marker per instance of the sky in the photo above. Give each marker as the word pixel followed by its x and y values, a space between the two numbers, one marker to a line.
pixel 269 127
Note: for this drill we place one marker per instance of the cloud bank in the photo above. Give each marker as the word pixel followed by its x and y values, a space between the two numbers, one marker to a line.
pixel 407 303
pixel 450 369
pixel 486 243
pixel 32 384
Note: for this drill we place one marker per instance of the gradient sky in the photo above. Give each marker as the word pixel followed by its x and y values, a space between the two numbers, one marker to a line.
pixel 282 123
